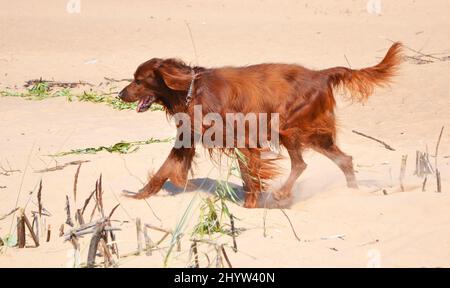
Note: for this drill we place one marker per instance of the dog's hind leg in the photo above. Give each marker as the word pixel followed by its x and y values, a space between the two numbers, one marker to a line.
pixel 325 145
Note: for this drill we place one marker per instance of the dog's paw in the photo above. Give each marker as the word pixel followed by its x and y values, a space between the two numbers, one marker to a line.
pixel 142 194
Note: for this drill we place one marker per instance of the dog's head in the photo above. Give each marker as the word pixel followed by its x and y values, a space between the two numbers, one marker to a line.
pixel 158 81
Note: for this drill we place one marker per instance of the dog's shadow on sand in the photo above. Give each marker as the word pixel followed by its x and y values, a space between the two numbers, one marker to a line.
pixel 209 185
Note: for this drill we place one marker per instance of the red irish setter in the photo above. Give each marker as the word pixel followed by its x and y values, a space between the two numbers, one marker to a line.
pixel 302 97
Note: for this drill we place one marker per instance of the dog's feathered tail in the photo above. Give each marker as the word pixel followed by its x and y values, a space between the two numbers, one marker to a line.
pixel 360 83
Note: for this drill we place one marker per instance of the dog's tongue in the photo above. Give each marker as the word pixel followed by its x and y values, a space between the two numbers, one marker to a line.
pixel 140 104
pixel 143 104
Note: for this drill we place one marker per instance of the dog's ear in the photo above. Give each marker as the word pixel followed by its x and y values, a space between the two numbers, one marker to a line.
pixel 175 74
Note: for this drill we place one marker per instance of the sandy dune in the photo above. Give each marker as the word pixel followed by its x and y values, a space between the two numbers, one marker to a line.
pixel 338 227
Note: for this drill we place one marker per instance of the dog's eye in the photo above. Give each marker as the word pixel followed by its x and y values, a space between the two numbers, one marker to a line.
pixel 138 82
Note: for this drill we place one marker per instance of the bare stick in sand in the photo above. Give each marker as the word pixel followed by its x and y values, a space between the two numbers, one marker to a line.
pixel 438 181
pixel 438 174
pixel 61 230
pixel 7 172
pixel 374 139
pixel 424 183
pixel 76 247
pixel 138 235
pixel 290 223
pixel 416 172
pixel 35 224
pixel 75 183
pixel 21 232
pixel 79 217
pixel 94 244
pixel 49 233
pixel 148 245
pixel 402 172
pixel 114 248
pixel 108 259
pixel 30 228
pixel 99 196
pixel 195 252
pixel 39 219
pixel 158 228
pixel 219 261
pixel 11 212
pixel 233 233
pixel 86 202
pixel 112 211
pixel 39 198
pixel 437 147
pixel 179 243
pixel 225 256
pixel 162 239
pixel 68 217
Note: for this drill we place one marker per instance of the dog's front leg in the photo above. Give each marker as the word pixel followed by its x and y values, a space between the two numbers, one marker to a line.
pixel 176 168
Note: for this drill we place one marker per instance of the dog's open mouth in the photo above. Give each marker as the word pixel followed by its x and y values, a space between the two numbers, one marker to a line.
pixel 144 104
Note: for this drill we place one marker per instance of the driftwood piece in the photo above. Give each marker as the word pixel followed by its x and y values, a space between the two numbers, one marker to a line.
pixel 374 139
pixel 86 228
pixel 89 231
pixel 108 259
pixel 76 250
pixel 114 247
pixel 30 228
pixel 93 245
pixel 21 240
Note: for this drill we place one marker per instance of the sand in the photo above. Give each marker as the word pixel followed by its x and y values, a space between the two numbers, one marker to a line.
pixel 338 227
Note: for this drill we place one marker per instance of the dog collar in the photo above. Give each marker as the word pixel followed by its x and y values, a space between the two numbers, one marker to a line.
pixel 191 88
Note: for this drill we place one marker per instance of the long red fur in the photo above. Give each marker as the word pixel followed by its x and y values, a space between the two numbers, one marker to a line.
pixel 303 98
